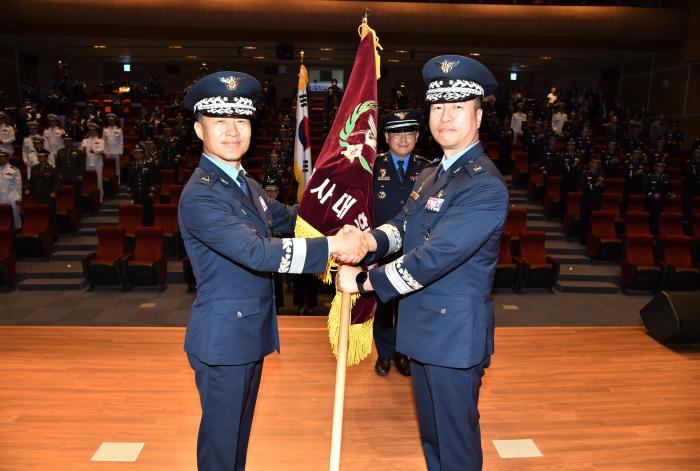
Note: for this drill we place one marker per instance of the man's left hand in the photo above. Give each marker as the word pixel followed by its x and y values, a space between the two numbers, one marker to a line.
pixel 345 278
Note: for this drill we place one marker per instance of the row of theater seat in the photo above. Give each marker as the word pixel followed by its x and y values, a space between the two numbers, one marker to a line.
pixel 523 262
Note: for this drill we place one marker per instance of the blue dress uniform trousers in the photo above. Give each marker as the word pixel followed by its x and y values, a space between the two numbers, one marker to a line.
pixel 233 322
pixel 449 235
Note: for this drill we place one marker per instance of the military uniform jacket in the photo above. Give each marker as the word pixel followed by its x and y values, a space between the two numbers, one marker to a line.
pixel 141 175
pixel 93 148
pixel 44 181
pixel 7 138
pixel 70 164
pixel 10 184
pixel 390 194
pixel 450 230
pixel 228 240
pixel 28 148
pixel 114 140
pixel 53 140
pixel 655 183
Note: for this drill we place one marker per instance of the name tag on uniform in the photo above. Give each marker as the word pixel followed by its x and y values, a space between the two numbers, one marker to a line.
pixel 383 178
pixel 262 203
pixel 434 204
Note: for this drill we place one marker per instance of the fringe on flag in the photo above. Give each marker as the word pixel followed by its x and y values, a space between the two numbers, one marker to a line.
pixel 360 336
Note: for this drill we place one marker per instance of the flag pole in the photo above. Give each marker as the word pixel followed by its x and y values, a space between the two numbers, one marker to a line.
pixel 337 433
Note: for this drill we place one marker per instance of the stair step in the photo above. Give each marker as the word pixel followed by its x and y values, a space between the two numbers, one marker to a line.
pixel 95 221
pixel 87 232
pixel 562 247
pixel 86 243
pixel 109 212
pixel 51 284
pixel 546 226
pixel 50 269
pixel 69 255
pixel 586 287
pixel 571 259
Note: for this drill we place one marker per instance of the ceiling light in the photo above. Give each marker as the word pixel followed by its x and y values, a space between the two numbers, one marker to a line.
pixel 326 49
pixel 191 57
pixel 523 65
pixel 250 48
pixel 475 54
pixel 393 60
pixel 546 58
pixel 325 58
pixel 100 46
pixel 175 46
pixel 258 57
pixel 401 51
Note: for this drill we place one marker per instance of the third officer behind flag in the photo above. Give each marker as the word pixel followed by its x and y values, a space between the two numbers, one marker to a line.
pixel 395 172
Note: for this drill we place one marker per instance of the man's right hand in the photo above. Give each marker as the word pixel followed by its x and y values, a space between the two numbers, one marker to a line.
pixel 371 242
pixel 348 246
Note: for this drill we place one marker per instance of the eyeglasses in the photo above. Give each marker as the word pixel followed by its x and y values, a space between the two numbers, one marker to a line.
pixel 399 134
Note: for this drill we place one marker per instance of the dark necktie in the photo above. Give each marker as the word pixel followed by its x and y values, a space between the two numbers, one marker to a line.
pixel 441 172
pixel 402 172
pixel 243 184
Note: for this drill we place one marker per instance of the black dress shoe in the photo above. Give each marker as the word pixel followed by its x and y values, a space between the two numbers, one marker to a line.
pixel 403 364
pixel 382 366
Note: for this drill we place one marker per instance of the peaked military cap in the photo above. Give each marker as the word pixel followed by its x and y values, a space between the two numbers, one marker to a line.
pixel 93 125
pixel 226 93
pixel 271 185
pixel 42 152
pixel 3 153
pixel 33 124
pixel 401 120
pixel 137 148
pixel 52 116
pixel 66 137
pixel 37 139
pixel 453 78
pixel 4 115
pixel 111 116
pixel 660 163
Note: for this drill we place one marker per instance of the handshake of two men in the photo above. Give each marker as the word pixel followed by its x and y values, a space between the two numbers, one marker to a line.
pixel 349 246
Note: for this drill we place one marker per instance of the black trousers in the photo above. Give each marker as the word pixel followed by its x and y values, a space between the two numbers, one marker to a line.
pixel 384 328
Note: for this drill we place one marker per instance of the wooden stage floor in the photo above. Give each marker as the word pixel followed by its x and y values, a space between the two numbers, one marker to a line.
pixel 591 399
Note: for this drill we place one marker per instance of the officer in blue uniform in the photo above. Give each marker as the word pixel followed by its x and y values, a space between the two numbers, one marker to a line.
pixel 227 222
pixel 449 234
pixel 395 172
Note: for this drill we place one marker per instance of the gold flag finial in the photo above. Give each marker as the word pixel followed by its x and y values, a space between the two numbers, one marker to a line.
pixel 301 54
pixel 366 15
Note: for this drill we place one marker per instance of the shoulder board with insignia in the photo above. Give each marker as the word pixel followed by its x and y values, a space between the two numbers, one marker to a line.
pixel 474 167
pixel 206 179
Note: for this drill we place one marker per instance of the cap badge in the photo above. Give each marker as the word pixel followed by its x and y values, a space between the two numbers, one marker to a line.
pixel 231 82
pixel 401 114
pixel 446 66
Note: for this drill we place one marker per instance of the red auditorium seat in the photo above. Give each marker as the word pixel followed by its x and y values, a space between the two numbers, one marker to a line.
pixel 552 200
pixel 104 267
pixel 535 184
pixel 67 211
pixel 147 266
pixel 537 270
pixel 572 214
pixel 6 217
pixel 89 193
pixel 635 203
pixel 615 185
pixel 611 202
pixel 516 221
pixel 165 217
pixel 521 166
pixel 636 223
pixel 639 269
pixel 7 259
pixel 175 192
pixel 602 241
pixel 670 224
pixel 506 270
pixel 36 237
pixel 679 271
pixel 130 217
pixel 110 182
pixel 167 179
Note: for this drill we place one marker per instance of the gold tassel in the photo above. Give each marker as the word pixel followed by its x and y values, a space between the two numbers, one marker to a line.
pixel 360 336
pixel 362 30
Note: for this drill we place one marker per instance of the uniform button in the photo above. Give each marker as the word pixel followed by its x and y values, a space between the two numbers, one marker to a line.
pixel 403 202
pixel 443 311
pixel 239 314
